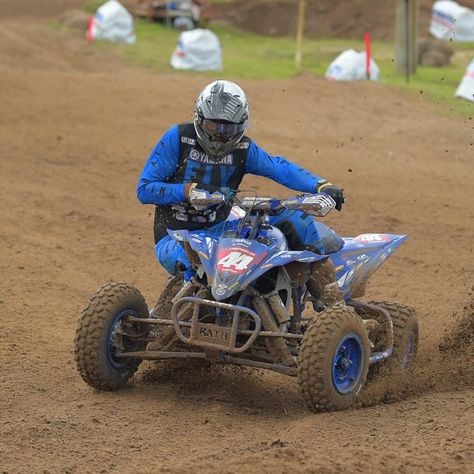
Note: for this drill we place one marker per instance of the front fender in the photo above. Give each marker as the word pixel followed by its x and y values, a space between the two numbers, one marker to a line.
pixel 224 286
pixel 204 246
pixel 283 258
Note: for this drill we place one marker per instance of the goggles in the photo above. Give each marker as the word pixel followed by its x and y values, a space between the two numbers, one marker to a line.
pixel 221 130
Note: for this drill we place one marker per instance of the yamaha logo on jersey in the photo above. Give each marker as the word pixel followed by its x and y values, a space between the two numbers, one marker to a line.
pixel 195 155
pixel 202 157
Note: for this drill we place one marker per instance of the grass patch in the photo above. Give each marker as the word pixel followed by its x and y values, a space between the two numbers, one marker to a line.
pixel 248 55
pixel 92 5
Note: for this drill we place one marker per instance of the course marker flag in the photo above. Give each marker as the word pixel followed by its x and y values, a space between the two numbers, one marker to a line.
pixel 368 55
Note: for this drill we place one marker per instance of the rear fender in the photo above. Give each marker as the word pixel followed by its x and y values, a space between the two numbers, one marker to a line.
pixel 361 257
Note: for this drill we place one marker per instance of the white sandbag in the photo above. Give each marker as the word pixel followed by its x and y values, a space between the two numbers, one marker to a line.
pixel 351 66
pixel 198 50
pixel 466 88
pixel 112 22
pixel 451 21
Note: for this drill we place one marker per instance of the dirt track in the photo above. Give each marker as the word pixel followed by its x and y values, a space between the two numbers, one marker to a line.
pixel 76 128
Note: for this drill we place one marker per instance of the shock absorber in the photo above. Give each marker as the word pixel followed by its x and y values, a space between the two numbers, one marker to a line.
pixel 276 345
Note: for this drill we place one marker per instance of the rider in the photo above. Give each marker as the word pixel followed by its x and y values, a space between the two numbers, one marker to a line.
pixel 213 155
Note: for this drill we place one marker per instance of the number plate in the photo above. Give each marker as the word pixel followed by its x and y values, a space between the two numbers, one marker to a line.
pixel 212 333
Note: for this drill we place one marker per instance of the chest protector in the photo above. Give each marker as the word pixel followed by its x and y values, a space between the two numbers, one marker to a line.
pixel 195 166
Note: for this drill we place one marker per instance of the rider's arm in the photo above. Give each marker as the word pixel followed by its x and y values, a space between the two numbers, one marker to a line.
pixel 281 170
pixel 161 165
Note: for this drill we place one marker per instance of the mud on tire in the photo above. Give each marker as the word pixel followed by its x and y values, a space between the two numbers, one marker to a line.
pixel 101 321
pixel 336 331
pixel 405 339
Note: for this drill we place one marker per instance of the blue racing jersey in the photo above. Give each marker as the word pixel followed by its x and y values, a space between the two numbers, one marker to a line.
pixel 158 185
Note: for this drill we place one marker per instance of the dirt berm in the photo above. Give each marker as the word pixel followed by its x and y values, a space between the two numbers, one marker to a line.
pixel 75 130
pixel 323 19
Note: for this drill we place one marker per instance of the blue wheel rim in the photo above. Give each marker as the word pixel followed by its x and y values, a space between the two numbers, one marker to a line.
pixel 409 351
pixel 347 364
pixel 116 323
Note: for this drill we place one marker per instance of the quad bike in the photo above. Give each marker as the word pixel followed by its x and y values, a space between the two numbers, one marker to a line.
pixel 254 302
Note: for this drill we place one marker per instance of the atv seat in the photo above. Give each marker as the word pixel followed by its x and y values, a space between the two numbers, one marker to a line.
pixel 329 241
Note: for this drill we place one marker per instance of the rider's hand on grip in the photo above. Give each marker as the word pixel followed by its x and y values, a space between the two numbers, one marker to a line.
pixel 189 187
pixel 334 191
pixel 203 196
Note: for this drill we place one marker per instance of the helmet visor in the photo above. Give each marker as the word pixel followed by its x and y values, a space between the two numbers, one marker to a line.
pixel 221 130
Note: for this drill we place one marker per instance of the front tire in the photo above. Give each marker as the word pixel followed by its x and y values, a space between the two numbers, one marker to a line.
pixel 333 360
pixel 103 331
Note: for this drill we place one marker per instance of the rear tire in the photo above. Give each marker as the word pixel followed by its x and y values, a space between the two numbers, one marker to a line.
pixel 99 336
pixel 333 360
pixel 405 340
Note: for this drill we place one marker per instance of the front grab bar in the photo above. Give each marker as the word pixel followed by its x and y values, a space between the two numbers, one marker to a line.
pixel 203 334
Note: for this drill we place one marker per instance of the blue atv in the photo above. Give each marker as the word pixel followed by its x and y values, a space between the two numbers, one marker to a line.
pixel 254 302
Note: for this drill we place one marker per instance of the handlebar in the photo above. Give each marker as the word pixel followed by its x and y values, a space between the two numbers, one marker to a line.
pixel 319 204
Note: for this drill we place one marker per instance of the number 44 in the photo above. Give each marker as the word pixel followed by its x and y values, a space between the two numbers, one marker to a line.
pixel 240 261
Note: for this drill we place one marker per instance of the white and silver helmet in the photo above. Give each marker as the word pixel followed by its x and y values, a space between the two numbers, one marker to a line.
pixel 221 117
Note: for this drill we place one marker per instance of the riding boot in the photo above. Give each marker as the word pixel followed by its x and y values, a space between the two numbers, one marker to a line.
pixel 323 284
